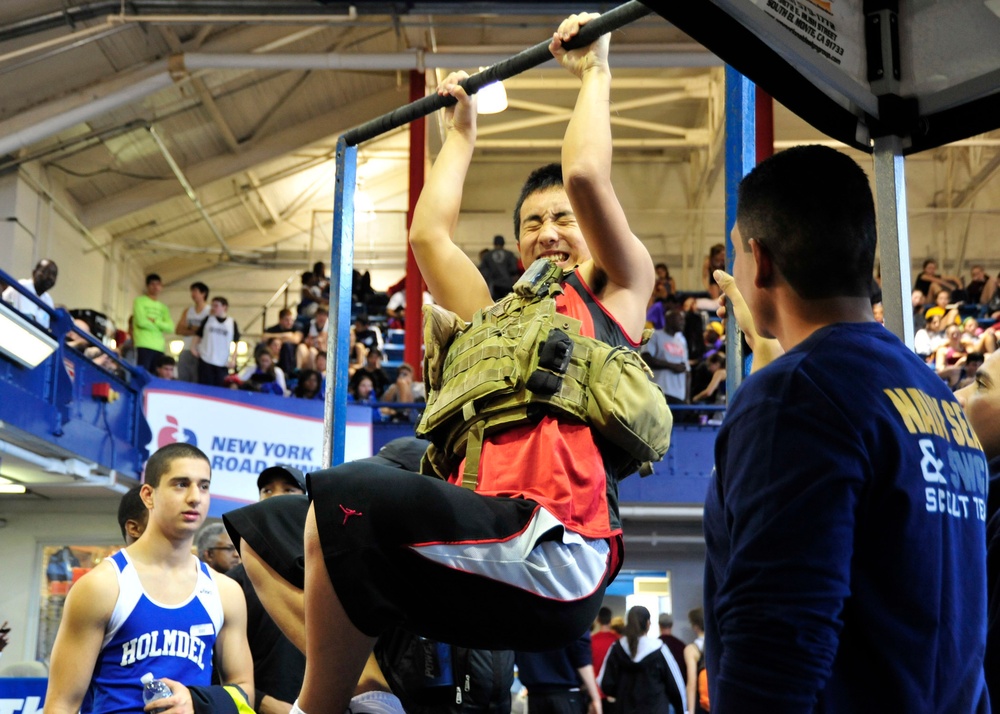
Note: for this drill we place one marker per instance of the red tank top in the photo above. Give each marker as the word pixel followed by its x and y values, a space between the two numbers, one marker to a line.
pixel 555 463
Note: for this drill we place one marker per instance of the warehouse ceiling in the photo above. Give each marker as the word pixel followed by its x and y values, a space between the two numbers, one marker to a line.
pixel 196 138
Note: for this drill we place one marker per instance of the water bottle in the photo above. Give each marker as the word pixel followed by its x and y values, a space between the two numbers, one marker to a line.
pixel 153 689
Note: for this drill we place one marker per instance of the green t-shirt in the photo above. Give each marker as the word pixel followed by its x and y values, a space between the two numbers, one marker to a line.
pixel 150 322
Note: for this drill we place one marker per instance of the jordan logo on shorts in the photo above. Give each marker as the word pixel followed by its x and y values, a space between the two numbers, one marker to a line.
pixel 348 512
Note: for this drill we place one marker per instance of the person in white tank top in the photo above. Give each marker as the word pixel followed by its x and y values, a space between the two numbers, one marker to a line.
pixel 187 327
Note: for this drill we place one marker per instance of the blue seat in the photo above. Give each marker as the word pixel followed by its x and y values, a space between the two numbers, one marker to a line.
pixel 395 337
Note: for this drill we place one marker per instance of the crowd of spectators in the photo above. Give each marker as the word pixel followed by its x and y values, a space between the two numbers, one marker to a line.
pixel 955 322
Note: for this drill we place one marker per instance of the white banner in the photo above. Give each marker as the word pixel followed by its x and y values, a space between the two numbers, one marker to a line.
pixel 242 439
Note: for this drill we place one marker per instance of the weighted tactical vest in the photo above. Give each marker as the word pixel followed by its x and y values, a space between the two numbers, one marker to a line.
pixel 519 360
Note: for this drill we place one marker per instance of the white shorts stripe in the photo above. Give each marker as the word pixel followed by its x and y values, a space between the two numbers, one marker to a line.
pixel 568 568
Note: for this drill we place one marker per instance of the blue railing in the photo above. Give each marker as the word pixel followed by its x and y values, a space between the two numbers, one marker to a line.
pixel 59 402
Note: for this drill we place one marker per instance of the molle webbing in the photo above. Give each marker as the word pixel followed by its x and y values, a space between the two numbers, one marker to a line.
pixel 519 360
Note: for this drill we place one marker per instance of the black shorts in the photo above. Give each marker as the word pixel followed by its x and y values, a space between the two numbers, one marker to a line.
pixel 373 521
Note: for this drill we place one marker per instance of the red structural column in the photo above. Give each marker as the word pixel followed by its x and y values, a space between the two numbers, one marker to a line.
pixel 412 348
pixel 764 105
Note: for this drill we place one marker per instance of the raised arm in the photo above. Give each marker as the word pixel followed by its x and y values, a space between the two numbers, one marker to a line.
pixel 78 643
pixel 452 278
pixel 586 160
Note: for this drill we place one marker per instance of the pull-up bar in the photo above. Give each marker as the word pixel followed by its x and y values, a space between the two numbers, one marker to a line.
pixel 505 69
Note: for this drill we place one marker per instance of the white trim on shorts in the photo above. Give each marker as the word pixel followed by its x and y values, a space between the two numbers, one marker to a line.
pixel 570 568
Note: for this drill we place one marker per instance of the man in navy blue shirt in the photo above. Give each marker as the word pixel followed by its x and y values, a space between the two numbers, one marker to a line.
pixel 845 524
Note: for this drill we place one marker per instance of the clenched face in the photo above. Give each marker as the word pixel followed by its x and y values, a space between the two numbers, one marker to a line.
pixel 549 230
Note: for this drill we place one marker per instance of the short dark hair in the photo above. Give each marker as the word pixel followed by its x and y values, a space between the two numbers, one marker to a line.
pixel 697 618
pixel 322 310
pixel 284 311
pixel 131 508
pixel 978 357
pixel 159 462
pixel 822 243
pixel 498 241
pixel 163 361
pixel 221 300
pixel 200 287
pixel 604 616
pixel 153 277
pixel 541 179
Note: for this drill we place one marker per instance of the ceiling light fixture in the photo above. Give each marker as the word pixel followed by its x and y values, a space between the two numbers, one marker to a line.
pixel 492 98
pixel 22 340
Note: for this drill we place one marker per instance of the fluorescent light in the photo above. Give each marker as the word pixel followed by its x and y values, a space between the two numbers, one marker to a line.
pixel 492 98
pixel 176 346
pixel 12 488
pixel 242 348
pixel 22 340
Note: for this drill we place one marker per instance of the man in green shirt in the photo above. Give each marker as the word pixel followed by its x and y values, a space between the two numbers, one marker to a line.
pixel 150 322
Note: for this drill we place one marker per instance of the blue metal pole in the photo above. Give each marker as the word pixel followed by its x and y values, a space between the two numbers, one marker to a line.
pixel 341 271
pixel 741 157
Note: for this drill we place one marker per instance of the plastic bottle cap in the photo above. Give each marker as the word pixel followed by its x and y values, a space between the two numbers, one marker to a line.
pixel 146 678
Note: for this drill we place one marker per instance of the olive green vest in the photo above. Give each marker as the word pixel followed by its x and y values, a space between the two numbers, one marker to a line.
pixel 519 360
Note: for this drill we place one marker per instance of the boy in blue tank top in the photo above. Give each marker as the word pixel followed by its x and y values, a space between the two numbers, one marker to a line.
pixel 845 524
pixel 153 607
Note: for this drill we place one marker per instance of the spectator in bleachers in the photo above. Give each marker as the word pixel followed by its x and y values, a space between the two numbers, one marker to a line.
pixel 878 312
pixel 977 339
pixel 357 354
pixel 663 276
pixel 981 287
pixel 373 369
pixel 404 390
pixel 708 380
pixel 715 260
pixel 917 302
pixel 361 391
pixel 951 353
pixel 943 300
pixel 315 339
pixel 667 354
pixel 367 334
pixel 165 367
pixel 310 385
pixel 694 328
pixel 322 282
pixel 310 297
pixel 187 327
pixel 290 338
pixel 931 336
pixel 929 282
pixel 964 374
pixel 150 323
pixel 215 344
pixel 500 269
pixel 656 310
pixel 268 377
pixel 43 278
pixel 714 339
pixel 396 309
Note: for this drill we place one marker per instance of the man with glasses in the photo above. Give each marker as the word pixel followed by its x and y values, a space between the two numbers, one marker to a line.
pixel 215 549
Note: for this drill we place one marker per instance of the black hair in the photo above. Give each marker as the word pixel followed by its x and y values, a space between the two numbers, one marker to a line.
pixel 151 277
pixel 200 287
pixel 822 242
pixel 498 241
pixel 159 462
pixel 541 179
pixel 636 625
pixel 221 300
pixel 163 361
pixel 304 375
pixel 131 508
